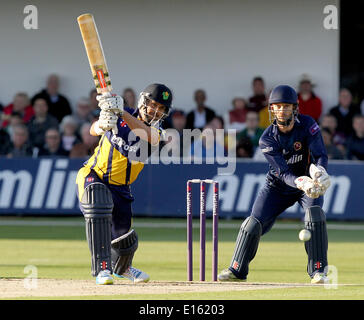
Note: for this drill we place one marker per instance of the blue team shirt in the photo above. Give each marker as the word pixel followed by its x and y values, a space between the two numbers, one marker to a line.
pixel 290 154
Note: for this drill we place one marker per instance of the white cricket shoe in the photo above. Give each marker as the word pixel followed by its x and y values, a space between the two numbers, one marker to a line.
pixel 104 277
pixel 227 275
pixel 319 278
pixel 134 275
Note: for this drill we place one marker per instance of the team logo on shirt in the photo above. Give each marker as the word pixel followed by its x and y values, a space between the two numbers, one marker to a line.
pixel 297 145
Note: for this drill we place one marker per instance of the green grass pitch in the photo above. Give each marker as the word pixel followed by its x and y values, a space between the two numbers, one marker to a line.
pixel 61 252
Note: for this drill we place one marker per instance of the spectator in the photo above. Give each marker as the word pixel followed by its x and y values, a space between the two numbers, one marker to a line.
pixel 333 152
pixel 21 105
pixel 58 104
pixel 14 119
pixel 20 146
pixel 40 123
pixel 53 145
pixel 244 148
pixel 252 130
pixel 329 122
pixel 129 98
pixel 355 143
pixel 4 142
pixel 210 144
pixel 175 133
pixel 235 118
pixel 95 110
pixel 344 112
pixel 87 146
pixel 69 136
pixel 308 102
pixel 83 113
pixel 258 102
pixel 202 114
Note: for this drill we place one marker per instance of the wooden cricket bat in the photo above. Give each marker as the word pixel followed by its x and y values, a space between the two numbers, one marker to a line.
pixel 95 53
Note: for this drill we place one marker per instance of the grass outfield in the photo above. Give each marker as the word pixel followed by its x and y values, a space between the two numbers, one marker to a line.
pixel 58 249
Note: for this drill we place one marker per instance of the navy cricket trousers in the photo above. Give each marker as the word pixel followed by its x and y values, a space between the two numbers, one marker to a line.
pixel 271 201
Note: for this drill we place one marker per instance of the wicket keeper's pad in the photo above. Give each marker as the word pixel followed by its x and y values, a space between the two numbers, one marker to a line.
pixel 246 246
pixel 122 251
pixel 97 204
pixel 316 247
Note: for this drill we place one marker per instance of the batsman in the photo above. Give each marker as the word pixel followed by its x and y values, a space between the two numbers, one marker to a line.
pixel 294 149
pixel 128 137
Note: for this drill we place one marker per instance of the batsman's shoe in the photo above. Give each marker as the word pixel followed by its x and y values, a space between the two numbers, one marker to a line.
pixel 104 277
pixel 319 278
pixel 134 275
pixel 227 275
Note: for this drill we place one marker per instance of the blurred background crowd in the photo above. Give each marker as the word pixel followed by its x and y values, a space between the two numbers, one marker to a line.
pixel 47 125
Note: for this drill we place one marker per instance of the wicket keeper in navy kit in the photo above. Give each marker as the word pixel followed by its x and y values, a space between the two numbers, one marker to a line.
pixel 104 180
pixel 297 159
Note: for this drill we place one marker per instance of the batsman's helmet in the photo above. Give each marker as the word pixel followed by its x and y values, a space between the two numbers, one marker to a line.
pixel 283 94
pixel 159 93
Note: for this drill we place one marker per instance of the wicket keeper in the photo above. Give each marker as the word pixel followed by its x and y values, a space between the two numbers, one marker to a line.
pixel 297 159
pixel 104 180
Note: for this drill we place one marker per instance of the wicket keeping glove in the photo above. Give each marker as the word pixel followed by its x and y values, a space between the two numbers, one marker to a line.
pixel 111 102
pixel 308 186
pixel 320 177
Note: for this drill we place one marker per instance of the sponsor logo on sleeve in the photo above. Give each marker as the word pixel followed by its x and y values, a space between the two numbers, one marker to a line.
pixel 314 128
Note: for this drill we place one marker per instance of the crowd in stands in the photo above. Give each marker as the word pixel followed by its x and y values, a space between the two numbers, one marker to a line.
pixel 47 125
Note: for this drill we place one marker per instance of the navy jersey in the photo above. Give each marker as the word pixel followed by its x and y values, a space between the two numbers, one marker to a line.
pixel 290 154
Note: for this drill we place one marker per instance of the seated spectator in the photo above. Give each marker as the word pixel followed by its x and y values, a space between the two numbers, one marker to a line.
pixel 252 130
pixel 20 146
pixel 175 132
pixel 329 122
pixel 209 144
pixel 53 145
pixel 57 103
pixel 129 98
pixel 69 136
pixel 94 105
pixel 259 102
pixel 4 142
pixel 235 118
pixel 21 105
pixel 202 114
pixel 40 123
pixel 344 112
pixel 244 148
pixel 14 119
pixel 308 102
pixel 83 112
pixel 355 143
pixel 333 152
pixel 87 147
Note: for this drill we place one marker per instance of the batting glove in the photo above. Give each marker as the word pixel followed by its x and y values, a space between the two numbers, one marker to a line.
pixel 108 121
pixel 111 102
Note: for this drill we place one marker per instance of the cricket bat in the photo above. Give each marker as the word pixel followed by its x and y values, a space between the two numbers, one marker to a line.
pixel 95 54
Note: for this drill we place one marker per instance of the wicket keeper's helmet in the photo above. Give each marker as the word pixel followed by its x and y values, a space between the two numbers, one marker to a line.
pixel 159 93
pixel 283 94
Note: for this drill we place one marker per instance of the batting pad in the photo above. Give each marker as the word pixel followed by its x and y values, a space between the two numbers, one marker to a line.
pixel 316 247
pixel 246 247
